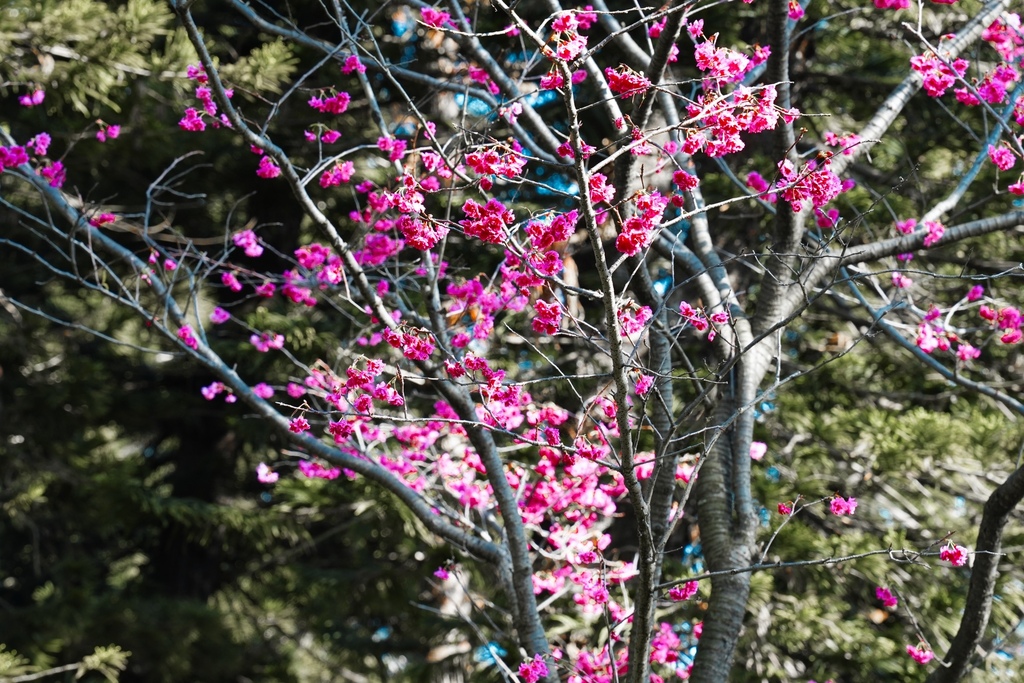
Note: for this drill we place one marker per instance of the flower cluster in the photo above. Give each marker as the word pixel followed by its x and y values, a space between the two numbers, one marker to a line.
pixel 314 470
pixel 993 87
pixel 265 475
pixel 417 344
pixel 920 653
pixel 490 162
pixel 938 75
pixel 886 596
pixel 638 230
pixel 956 555
pixel 683 591
pixel 701 321
pixel 548 317
pixel 569 44
pixel 435 18
pixel 842 506
pixel 1008 319
pixel 633 319
pixel 265 341
pixel 488 222
pixel 534 670
pixel 1003 157
pixel 247 241
pixel 32 99
pixel 624 81
pixel 187 336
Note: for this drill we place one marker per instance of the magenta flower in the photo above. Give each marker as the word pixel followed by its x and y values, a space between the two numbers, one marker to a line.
pixel 102 219
pixel 265 475
pixel 352 63
pixel 39 144
pixel 956 555
pixel 186 335
pixel 192 121
pixel 1002 157
pixel 435 18
pixel 643 385
pixel 976 292
pixel 266 341
pixel 442 573
pixel 210 391
pixel 843 506
pixel 268 169
pixel 263 390
pixel 758 450
pixel 230 280
pixel 533 671
pixel 298 425
pixel 901 281
pixel 922 654
pixel 248 241
pixel 785 509
pixel 683 591
pixel 33 99
pixel 315 470
pixel 966 352
pixel 886 596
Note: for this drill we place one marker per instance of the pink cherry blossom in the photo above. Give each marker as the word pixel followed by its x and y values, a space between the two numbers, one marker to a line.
pixel 683 591
pixel 352 64
pixel 268 169
pixel 187 336
pixel 314 470
pixel 901 280
pixel 1002 157
pixel 435 18
pixel 33 99
pixel 625 81
pixel 956 555
pixel 921 653
pixel 758 450
pixel 534 670
pixel 265 475
pixel 192 121
pixel 266 341
pixel 886 596
pixel 843 506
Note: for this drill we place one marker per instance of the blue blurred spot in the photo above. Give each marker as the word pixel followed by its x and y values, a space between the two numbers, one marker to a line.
pixel 401 24
pixel 266 497
pixel 773 473
pixel 559 185
pixel 522 56
pixel 488 654
pixel 474 106
pixel 764 516
pixel 662 285
pixel 408 129
pixel 539 98
pixel 381 634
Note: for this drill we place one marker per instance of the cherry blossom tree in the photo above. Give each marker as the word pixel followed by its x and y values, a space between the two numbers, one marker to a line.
pixel 553 349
